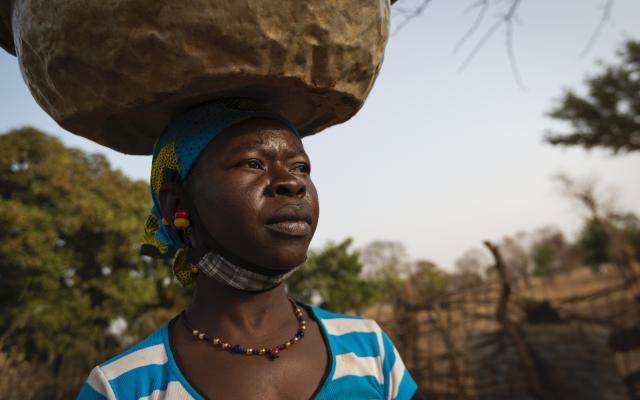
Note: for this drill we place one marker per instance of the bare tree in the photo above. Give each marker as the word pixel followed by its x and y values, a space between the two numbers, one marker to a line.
pixel 385 255
pixel 602 212
pixel 516 254
pixel 470 269
pixel 506 16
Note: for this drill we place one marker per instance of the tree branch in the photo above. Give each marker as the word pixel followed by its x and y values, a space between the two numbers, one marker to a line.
pixel 410 15
pixel 513 330
pixel 484 6
pixel 512 54
pixel 605 17
pixel 507 20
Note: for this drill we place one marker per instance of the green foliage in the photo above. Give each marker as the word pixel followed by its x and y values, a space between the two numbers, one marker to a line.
pixel 430 281
pixel 333 274
pixel 544 254
pixel 550 252
pixel 385 264
pixel 631 228
pixel 69 236
pixel 595 242
pixel 609 115
pixel 386 281
pixel 626 230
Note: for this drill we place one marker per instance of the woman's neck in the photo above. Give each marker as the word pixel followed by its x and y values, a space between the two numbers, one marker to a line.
pixel 221 310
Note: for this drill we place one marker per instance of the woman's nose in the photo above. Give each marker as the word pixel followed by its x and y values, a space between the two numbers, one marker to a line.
pixel 285 183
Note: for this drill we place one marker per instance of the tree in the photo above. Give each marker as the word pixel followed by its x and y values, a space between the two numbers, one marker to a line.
pixel 428 282
pixel 608 235
pixel 69 239
pixel 608 115
pixel 630 224
pixel 596 243
pixel 332 278
pixel 550 252
pixel 603 240
pixel 385 256
pixel 470 269
pixel 386 263
pixel 515 253
pixel 491 18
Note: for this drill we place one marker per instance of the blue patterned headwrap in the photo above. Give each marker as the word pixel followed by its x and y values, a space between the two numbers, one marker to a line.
pixel 176 151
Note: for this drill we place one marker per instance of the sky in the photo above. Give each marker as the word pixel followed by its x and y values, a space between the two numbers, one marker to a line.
pixel 441 158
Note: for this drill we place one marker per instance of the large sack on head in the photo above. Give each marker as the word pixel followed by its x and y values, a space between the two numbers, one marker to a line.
pixel 117 71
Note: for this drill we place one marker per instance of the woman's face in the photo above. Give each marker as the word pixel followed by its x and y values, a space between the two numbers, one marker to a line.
pixel 253 193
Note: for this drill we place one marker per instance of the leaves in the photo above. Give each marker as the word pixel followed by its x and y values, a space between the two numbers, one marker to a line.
pixel 70 229
pixel 609 114
pixel 333 275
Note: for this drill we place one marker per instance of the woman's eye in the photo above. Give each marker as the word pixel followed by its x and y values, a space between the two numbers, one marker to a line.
pixel 305 168
pixel 253 164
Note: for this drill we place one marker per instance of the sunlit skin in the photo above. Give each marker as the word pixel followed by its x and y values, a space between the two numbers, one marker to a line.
pixel 251 172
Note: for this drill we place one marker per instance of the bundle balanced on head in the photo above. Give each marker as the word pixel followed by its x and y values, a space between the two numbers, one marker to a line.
pixel 222 95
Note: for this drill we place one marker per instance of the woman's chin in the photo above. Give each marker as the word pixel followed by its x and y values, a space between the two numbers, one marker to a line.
pixel 283 261
pixel 284 265
pixel 271 260
pixel 280 255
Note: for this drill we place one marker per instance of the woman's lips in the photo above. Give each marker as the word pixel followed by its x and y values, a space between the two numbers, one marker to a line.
pixel 291 221
pixel 290 228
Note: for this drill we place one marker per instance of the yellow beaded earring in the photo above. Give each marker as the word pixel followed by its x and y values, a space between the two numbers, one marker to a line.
pixel 183 270
pixel 181 219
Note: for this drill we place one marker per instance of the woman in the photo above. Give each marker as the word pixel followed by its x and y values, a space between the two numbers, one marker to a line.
pixel 235 205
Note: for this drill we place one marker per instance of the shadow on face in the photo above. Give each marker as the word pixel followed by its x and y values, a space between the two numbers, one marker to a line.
pixel 253 198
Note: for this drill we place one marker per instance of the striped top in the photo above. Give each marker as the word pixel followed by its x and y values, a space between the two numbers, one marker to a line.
pixel 364 365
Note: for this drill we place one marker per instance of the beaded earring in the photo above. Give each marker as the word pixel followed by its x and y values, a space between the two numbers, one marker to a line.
pixel 183 270
pixel 181 219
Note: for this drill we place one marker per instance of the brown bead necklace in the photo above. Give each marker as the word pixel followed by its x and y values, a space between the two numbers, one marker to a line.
pixel 272 353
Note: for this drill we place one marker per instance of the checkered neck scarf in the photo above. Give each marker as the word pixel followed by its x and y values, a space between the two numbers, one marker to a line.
pixel 222 270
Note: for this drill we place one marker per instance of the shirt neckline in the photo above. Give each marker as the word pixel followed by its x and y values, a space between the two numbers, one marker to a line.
pixel 311 310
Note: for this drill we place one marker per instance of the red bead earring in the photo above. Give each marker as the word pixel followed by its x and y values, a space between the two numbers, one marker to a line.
pixel 181 219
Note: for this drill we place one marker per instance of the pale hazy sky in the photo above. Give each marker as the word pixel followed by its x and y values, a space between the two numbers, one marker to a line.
pixel 440 159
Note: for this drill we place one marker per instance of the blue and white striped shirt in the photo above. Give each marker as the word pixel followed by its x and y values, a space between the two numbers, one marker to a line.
pixel 364 365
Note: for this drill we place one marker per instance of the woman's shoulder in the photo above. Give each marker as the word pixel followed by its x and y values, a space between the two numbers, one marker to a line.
pixel 364 356
pixel 152 345
pixel 354 339
pixel 136 372
pixel 340 324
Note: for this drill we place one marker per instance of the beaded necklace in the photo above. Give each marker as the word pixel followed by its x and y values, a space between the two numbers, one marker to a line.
pixel 272 353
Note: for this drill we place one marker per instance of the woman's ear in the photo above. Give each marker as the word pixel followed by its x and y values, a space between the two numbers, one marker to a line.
pixel 169 197
pixel 173 197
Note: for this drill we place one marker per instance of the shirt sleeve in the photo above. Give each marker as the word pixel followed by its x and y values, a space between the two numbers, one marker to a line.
pixel 96 387
pixel 398 383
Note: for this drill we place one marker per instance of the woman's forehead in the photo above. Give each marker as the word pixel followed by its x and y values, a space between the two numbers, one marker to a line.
pixel 257 135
